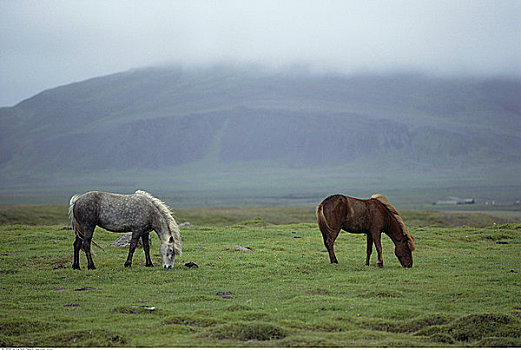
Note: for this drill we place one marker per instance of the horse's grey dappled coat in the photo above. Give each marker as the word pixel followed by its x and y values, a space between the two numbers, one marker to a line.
pixel 139 212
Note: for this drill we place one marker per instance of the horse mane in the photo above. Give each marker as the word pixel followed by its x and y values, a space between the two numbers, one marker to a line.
pixel 167 214
pixel 385 202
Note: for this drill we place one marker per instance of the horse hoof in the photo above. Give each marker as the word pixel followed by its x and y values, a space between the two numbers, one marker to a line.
pixel 128 265
pixel 149 265
pixel 91 267
pixel 76 267
pixel 380 265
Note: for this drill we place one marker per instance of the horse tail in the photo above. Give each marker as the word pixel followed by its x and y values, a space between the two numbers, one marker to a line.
pixel 322 221
pixel 167 215
pixel 78 231
pixel 337 211
pixel 410 239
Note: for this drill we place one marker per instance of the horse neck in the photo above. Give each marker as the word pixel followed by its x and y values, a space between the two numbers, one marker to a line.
pixel 394 231
pixel 162 230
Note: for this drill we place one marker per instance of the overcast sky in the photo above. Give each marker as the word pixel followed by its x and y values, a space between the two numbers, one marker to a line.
pixel 44 44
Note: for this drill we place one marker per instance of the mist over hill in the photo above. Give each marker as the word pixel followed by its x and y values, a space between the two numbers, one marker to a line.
pixel 192 127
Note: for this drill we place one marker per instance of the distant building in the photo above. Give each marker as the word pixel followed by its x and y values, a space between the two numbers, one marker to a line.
pixel 455 201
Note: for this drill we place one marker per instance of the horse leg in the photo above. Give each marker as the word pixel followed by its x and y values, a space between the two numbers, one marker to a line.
pixel 377 236
pixel 146 248
pixel 369 248
pixel 77 246
pixel 86 247
pixel 133 243
pixel 329 242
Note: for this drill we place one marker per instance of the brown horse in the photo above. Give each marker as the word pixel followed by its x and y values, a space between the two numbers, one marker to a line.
pixel 369 216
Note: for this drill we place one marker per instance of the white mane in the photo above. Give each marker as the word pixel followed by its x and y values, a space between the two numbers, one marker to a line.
pixel 167 214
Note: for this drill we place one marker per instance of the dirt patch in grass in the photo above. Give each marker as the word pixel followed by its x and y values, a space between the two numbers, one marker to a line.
pixel 248 331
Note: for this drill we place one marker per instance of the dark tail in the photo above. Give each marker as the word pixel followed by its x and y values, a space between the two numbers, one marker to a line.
pixel 78 231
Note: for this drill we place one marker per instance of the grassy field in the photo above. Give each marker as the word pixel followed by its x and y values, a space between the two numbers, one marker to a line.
pixel 464 289
pixel 280 215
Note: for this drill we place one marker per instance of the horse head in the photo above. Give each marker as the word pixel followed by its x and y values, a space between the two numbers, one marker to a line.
pixel 403 250
pixel 167 253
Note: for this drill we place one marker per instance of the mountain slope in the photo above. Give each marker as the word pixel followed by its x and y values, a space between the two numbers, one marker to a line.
pixel 162 118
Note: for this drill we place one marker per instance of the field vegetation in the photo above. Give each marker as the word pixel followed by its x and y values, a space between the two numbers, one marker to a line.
pixel 464 288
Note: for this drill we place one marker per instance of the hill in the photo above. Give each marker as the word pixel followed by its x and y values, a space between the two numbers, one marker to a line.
pixel 197 126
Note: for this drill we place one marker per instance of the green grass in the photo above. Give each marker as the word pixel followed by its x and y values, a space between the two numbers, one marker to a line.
pixel 464 289
pixel 57 215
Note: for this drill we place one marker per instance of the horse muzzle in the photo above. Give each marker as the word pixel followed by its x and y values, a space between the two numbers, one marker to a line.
pixel 168 266
pixel 407 265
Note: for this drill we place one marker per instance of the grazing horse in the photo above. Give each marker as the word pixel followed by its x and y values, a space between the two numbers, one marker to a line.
pixel 138 212
pixel 369 216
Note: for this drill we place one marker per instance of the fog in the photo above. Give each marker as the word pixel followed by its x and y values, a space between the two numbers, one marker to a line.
pixel 44 44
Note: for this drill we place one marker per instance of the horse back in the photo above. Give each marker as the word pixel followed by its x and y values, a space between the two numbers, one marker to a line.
pixel 364 216
pixel 114 212
pixel 351 214
pixel 122 213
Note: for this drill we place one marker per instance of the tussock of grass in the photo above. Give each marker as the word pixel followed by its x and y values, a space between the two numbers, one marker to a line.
pixel 18 333
pixel 248 331
pixel 410 326
pixel 189 320
pixel 477 327
pixel 304 341
pixel 19 327
pixel 499 342
pixel 85 338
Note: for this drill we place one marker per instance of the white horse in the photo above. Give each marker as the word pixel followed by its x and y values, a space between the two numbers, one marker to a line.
pixel 139 212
